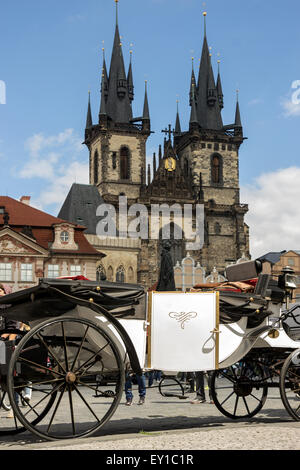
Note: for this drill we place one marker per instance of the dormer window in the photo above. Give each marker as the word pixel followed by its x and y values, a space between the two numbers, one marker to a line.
pixel 64 237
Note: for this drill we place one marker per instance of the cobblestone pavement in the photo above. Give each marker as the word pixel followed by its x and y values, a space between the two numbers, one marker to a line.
pixel 170 423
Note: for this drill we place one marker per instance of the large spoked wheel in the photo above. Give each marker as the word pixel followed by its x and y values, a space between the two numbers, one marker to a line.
pixel 61 360
pixel 290 385
pixel 240 391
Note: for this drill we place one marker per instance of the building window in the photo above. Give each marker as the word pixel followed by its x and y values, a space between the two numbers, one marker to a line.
pixel 53 270
pixel 120 276
pixel 75 270
pixel 216 169
pixel 124 164
pixel 5 272
pixel 101 273
pixel 96 163
pixel 291 262
pixel 26 272
pixel 114 160
pixel 64 236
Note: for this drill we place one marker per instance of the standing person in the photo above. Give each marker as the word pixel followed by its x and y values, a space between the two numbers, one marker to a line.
pixel 7 336
pixel 200 390
pixel 141 381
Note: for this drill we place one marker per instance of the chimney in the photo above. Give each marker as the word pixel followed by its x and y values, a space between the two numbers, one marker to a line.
pixel 25 200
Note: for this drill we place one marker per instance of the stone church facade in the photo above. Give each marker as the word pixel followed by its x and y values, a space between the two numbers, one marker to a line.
pixel 205 171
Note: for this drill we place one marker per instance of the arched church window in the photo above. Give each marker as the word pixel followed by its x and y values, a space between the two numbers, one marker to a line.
pixel 216 169
pixel 124 164
pixel 101 273
pixel 120 276
pixel 96 163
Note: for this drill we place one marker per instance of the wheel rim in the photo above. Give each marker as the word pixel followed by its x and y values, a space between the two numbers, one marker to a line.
pixel 290 385
pixel 63 358
pixel 239 391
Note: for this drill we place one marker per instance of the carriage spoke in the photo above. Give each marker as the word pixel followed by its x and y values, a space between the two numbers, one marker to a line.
pixel 245 402
pixel 65 346
pixel 23 359
pixel 32 408
pixel 51 352
pixel 85 402
pixel 90 359
pixel 235 406
pixel 230 395
pixel 80 348
pixel 71 409
pixel 56 407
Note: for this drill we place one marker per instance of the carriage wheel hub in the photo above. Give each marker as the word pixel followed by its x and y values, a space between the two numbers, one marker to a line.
pixel 242 388
pixel 71 378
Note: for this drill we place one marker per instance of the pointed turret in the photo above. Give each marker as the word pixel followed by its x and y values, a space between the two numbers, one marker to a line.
pixel 118 106
pixel 193 82
pixel 177 125
pixel 194 123
pixel 238 128
pixel 130 80
pixel 146 113
pixel 219 88
pixel 208 109
pixel 89 120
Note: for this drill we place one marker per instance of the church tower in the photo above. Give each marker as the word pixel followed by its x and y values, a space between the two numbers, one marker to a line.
pixel 211 150
pixel 117 143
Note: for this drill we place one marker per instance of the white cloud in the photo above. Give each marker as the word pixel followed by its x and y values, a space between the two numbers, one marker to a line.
pixel 274 211
pixel 59 161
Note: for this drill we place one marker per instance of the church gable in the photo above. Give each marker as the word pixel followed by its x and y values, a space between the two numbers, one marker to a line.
pixel 12 243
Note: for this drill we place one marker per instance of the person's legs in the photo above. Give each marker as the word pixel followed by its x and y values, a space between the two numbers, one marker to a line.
pixel 128 390
pixel 200 393
pixel 141 380
pixel 150 378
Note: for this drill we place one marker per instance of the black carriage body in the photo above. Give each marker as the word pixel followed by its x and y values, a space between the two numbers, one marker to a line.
pixel 53 298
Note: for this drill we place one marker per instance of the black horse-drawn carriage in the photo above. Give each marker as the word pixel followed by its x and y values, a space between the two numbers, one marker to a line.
pixel 85 335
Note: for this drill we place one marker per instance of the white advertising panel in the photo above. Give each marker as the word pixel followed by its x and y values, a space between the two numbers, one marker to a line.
pixel 184 331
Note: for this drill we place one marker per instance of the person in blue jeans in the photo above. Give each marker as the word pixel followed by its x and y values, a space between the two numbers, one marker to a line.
pixel 154 375
pixel 141 381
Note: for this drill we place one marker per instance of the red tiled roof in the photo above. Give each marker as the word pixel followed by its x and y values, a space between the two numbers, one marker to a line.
pixel 22 215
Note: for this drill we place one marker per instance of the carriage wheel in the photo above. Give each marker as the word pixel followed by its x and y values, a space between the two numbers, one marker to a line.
pixel 240 390
pixel 170 386
pixel 290 385
pixel 62 358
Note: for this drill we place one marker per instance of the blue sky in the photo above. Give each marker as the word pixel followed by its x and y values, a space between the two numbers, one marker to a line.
pixel 51 56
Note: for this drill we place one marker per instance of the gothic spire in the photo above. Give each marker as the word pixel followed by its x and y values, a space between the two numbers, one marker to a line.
pixel 208 109
pixel 193 118
pixel 130 80
pixel 177 125
pixel 219 88
pixel 89 120
pixel 238 121
pixel 118 103
pixel 146 114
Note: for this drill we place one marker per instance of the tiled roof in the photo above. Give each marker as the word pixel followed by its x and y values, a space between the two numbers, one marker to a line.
pixel 21 215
